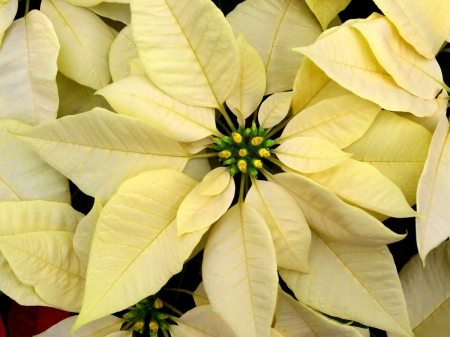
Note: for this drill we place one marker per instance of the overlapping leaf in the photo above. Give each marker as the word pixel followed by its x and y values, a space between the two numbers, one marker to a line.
pixel 199 296
pixel 357 272
pixel 84 51
pixel 123 49
pixel 114 11
pixel 137 96
pixel 136 227
pixel 327 10
pixel 427 292
pixel 274 109
pixel 28 91
pixel 274 27
pixel 187 49
pixel 98 150
pixel 239 266
pixel 23 174
pixel 8 10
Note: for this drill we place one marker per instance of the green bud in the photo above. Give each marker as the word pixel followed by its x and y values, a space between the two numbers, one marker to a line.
pixel 247 132
pixel 234 169
pixel 228 140
pixel 269 143
pixel 161 316
pixel 253 172
pixel 163 325
pixel 254 129
pixel 229 161
pixel 152 333
pixel 129 316
pixel 261 132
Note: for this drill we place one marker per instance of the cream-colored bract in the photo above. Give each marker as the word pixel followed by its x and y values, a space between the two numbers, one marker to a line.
pixel 433 194
pixel 135 228
pixel 357 272
pixel 239 271
pixel 199 211
pixel 83 3
pixel 39 252
pixel 8 10
pixel 123 49
pixel 204 322
pixel 295 319
pixel 331 217
pixel 215 182
pixel 362 184
pixel 427 292
pixel 274 109
pixel 346 57
pixel 422 23
pixel 200 297
pixel 274 27
pixel 137 96
pixel 75 98
pixel 287 224
pixel 23 174
pixel 248 90
pixel 111 147
pixel 327 10
pixel 410 70
pixel 84 52
pixel 198 63
pixel 98 328
pixel 113 11
pixel 398 148
pixel 308 154
pixel 340 120
pixel 28 69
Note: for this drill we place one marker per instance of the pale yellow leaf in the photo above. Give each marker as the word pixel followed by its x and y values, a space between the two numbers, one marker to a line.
pixel 84 52
pixel 327 10
pixel 295 319
pixel 204 322
pixel 23 174
pixel 137 96
pixel 422 23
pixel 215 182
pixel 433 193
pixel 239 271
pixel 312 85
pixel 28 91
pixel 340 120
pixel 113 11
pixel 427 292
pixel 118 1
pixel 363 185
pixel 200 297
pixel 398 148
pixel 136 67
pixel 187 49
pixel 410 70
pixel 352 282
pixel 123 50
pixel 197 168
pixel 274 27
pixel 8 10
pixel 75 98
pixel 197 145
pixel 83 3
pixel 99 149
pixel 98 328
pixel 287 224
pixel 308 154
pixel 135 229
pixel 128 333
pixel 199 211
pixel 333 218
pixel 249 88
pixel 274 109
pixel 84 233
pixel 346 57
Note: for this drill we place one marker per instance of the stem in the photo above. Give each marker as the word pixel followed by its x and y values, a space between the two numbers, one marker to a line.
pixel 204 155
pixel 179 290
pixel 165 333
pixel 241 187
pixel 27 7
pixel 279 127
pixel 223 126
pixel 267 174
pixel 227 118
pixel 280 164
pixel 246 185
pixel 255 113
pixel 175 310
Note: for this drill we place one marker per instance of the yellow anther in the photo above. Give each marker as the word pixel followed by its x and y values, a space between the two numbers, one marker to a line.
pixel 237 137
pixel 154 326
pixel 243 152
pixel 138 326
pixel 263 153
pixel 225 154
pixel 242 165
pixel 257 140
pixel 258 163
pixel 158 304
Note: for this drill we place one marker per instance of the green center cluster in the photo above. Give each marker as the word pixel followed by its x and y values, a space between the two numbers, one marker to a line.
pixel 147 312
pixel 244 150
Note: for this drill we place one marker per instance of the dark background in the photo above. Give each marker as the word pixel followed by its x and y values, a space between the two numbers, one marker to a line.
pixel 190 276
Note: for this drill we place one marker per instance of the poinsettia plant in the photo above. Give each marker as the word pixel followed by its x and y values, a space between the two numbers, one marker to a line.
pixel 276 139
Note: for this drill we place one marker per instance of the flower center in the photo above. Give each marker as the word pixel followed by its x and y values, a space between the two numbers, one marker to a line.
pixel 244 150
